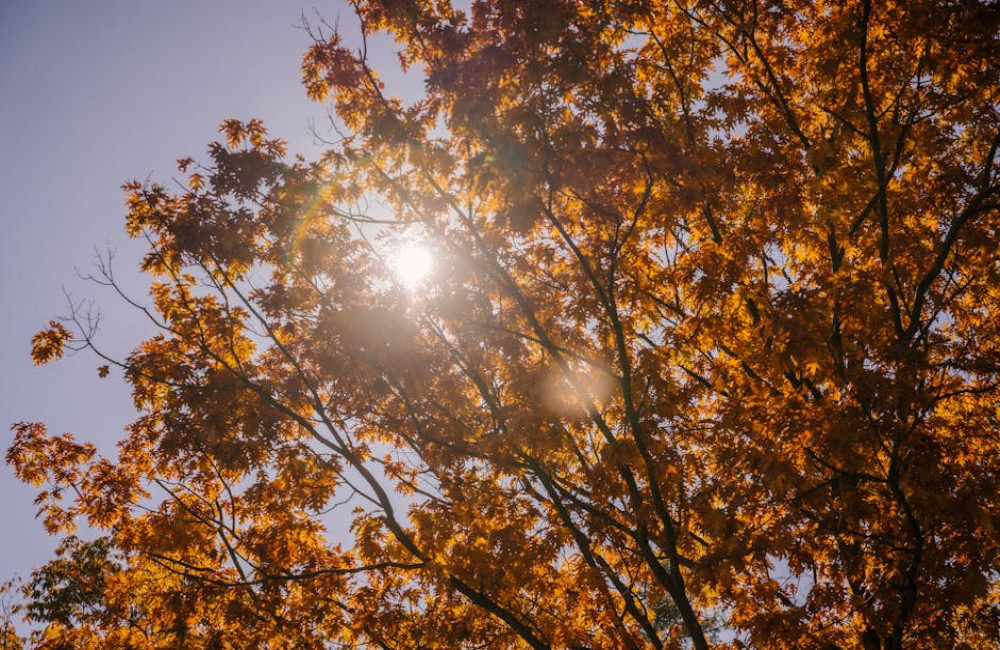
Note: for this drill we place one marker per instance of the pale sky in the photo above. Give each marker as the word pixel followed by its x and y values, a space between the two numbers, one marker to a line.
pixel 93 94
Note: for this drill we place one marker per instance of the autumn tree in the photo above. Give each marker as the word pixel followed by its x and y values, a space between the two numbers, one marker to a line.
pixel 709 354
pixel 9 637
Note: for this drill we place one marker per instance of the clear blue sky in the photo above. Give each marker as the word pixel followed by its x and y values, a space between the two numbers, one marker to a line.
pixel 93 94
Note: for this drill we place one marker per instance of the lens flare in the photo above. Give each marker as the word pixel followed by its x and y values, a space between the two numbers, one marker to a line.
pixel 412 264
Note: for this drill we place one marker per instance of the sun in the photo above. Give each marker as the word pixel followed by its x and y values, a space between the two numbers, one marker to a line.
pixel 412 264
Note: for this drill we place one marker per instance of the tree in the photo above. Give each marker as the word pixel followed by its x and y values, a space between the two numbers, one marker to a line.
pixel 9 638
pixel 711 336
pixel 69 591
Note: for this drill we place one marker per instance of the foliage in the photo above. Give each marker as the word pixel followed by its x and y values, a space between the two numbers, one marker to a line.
pixel 712 335
pixel 9 637
pixel 69 590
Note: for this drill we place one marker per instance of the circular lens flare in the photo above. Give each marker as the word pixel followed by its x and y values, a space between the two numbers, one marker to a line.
pixel 412 264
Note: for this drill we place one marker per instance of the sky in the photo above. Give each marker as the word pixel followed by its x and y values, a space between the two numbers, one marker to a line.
pixel 93 94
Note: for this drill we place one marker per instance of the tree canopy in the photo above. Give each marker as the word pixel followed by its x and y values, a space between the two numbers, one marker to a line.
pixel 708 356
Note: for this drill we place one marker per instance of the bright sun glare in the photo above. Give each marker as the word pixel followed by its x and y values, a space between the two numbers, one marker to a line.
pixel 412 264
